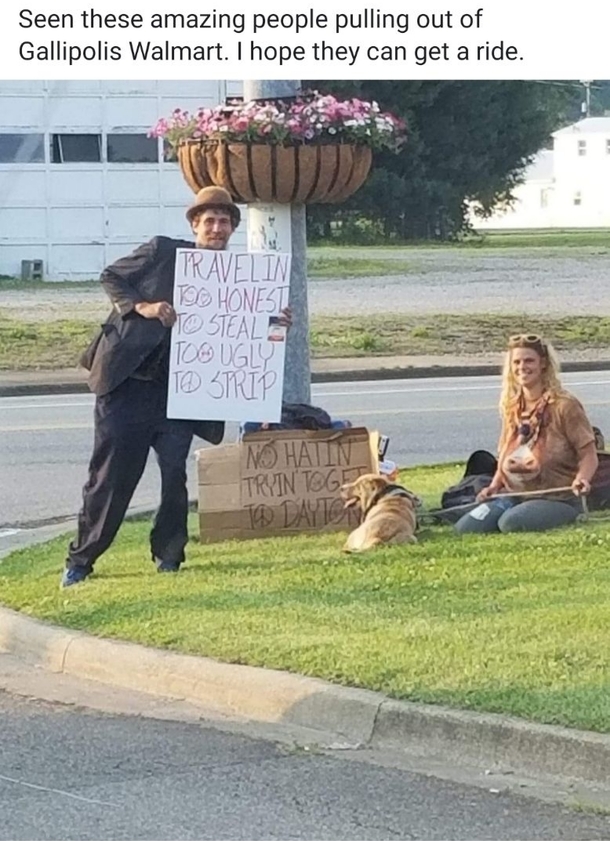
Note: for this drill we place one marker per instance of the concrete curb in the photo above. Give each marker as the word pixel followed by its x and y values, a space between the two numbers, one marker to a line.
pixel 413 372
pixel 496 741
pixel 14 388
pixel 264 695
pixel 29 535
pixel 360 717
pixel 36 389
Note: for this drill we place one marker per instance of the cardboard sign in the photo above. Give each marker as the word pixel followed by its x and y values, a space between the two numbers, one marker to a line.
pixel 228 349
pixel 282 482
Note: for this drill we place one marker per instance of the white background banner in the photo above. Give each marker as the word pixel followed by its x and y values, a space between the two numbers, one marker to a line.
pixel 227 353
pixel 451 39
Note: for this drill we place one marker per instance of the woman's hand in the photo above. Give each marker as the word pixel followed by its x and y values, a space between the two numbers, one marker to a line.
pixel 581 486
pixel 586 470
pixel 490 490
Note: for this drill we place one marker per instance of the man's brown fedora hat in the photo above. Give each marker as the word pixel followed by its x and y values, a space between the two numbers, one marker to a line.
pixel 214 198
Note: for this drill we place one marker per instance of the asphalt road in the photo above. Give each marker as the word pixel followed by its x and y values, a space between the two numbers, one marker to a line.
pixel 46 441
pixel 73 773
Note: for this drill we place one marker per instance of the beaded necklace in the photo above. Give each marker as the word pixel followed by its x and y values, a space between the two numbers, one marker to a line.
pixel 529 422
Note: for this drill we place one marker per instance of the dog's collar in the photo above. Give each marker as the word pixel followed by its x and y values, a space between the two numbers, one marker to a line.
pixel 389 490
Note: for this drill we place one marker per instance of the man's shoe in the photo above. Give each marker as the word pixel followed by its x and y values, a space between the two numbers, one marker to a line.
pixel 73 575
pixel 167 566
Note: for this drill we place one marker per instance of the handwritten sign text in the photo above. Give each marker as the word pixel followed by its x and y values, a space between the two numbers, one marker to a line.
pixel 227 352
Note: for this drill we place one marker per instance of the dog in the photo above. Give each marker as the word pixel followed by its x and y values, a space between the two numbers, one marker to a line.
pixel 388 513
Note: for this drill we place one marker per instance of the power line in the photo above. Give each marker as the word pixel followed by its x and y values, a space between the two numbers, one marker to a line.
pixel 567 84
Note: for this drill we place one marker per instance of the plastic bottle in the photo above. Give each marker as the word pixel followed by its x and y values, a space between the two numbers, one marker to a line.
pixel 388 469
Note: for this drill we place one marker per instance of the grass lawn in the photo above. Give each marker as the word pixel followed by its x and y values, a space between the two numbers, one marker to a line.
pixel 42 345
pixel 513 624
pixel 335 264
pixel 379 335
pixel 541 238
pixel 553 242
pixel 48 345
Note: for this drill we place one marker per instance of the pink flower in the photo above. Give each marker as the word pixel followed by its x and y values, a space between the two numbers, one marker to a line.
pixel 312 118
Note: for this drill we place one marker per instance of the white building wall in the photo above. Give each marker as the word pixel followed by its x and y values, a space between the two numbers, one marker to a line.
pixel 78 217
pixel 582 176
pixel 576 190
pixel 531 209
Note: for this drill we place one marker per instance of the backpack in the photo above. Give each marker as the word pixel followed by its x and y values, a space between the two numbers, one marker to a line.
pixel 304 416
pixel 599 497
pixel 481 462
pixel 463 493
pixel 480 469
pixel 465 490
pixel 294 416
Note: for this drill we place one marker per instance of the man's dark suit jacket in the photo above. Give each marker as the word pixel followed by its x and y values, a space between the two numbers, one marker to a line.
pixel 126 338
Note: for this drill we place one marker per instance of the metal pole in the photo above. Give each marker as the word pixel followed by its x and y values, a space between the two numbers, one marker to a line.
pixel 585 107
pixel 297 376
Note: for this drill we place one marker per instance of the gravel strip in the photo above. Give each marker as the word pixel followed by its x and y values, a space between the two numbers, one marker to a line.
pixel 542 282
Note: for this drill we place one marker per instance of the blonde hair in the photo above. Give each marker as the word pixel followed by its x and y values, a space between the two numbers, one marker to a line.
pixel 551 382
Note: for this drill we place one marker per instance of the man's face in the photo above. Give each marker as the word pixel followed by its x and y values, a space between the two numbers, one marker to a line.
pixel 212 229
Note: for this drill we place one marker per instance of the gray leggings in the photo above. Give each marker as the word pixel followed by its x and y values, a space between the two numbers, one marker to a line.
pixel 508 515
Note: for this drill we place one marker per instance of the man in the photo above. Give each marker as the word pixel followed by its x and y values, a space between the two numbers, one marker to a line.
pixel 129 369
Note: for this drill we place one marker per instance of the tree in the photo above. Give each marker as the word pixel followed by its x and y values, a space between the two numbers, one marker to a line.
pixel 466 141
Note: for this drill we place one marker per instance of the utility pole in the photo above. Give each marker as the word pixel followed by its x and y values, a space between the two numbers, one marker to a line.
pixel 585 108
pixel 282 227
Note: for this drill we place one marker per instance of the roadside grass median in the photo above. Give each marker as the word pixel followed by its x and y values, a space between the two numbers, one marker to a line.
pixel 514 624
pixel 50 345
pixel 43 345
pixel 452 335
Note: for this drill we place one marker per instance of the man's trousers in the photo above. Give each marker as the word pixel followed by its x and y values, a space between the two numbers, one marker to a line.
pixel 128 422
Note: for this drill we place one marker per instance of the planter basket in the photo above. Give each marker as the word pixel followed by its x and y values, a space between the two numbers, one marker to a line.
pixel 251 172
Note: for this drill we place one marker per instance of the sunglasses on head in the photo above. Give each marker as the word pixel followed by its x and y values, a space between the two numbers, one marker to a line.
pixel 531 340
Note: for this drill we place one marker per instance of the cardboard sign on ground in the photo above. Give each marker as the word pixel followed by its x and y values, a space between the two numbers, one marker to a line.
pixel 282 482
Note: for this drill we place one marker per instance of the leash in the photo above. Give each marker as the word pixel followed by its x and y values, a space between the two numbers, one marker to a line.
pixel 391 490
pixel 438 512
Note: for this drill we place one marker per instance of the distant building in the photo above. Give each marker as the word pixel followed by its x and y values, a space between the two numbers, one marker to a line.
pixel 80 182
pixel 566 187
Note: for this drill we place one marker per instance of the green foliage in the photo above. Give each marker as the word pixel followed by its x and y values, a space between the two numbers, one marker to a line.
pixel 576 97
pixel 466 140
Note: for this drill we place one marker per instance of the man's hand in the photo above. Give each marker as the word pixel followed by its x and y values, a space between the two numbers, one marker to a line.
pixel 157 309
pixel 286 317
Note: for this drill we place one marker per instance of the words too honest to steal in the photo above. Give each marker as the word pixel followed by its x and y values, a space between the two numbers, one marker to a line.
pixel 224 350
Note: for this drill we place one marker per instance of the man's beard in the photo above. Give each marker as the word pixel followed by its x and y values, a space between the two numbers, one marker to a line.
pixel 214 245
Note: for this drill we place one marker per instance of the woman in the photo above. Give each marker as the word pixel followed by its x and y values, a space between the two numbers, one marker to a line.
pixel 546 442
